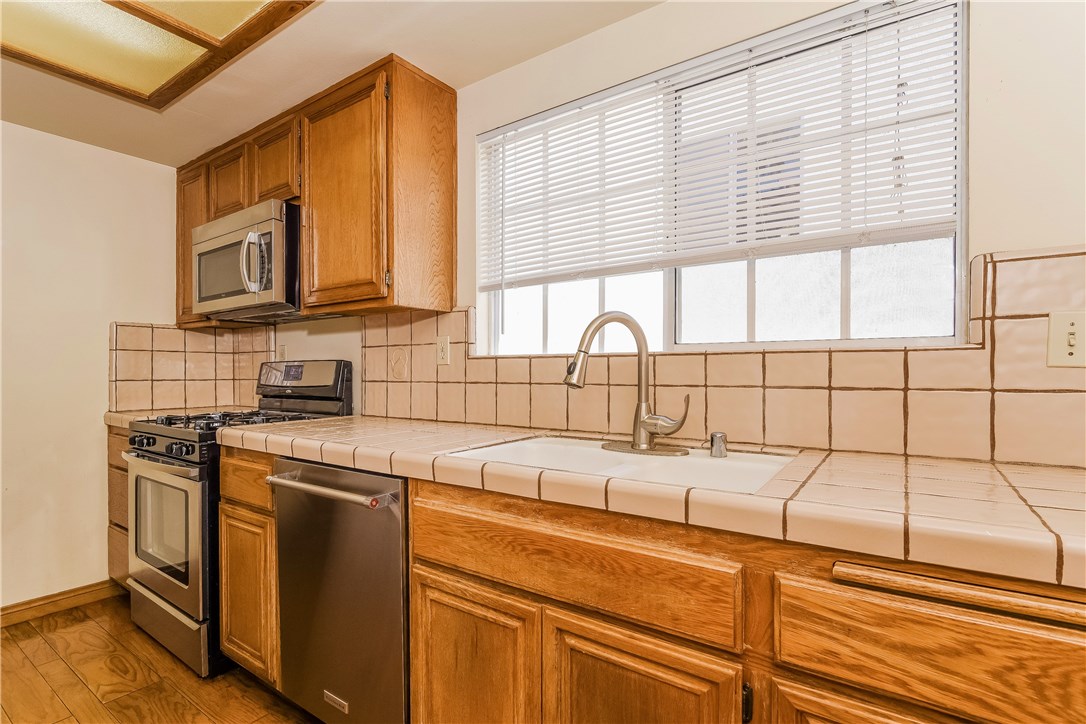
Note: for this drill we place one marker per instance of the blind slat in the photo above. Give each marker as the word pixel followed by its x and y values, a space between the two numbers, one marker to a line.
pixel 844 132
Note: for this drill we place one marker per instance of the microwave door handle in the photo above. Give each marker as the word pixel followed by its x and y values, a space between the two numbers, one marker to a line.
pixel 243 261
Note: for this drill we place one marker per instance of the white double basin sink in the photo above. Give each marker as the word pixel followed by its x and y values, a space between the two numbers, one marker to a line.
pixel 737 473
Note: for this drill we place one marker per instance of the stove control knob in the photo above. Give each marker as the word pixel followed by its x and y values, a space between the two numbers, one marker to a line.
pixel 188 449
pixel 145 441
pixel 171 449
pixel 132 439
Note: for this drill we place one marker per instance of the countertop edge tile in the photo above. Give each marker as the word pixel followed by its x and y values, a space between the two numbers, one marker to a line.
pixel 736 512
pixel 588 491
pixel 877 532
pixel 412 464
pixel 1003 550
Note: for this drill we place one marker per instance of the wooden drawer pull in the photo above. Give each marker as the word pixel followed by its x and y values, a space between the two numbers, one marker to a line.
pixel 1018 604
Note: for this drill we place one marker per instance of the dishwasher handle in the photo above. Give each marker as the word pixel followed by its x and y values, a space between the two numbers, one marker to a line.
pixel 373 502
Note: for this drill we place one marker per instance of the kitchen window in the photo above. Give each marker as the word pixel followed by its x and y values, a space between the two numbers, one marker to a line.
pixel 804 187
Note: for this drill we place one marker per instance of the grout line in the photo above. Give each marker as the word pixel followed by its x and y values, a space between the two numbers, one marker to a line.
pixel 992 377
pixel 905 404
pixel 829 401
pixel 905 511
pixel 763 399
pixel 790 498
pixel 1035 258
pixel 1059 538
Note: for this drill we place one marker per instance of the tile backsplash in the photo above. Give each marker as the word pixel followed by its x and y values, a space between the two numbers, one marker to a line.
pixel 161 367
pixel 993 399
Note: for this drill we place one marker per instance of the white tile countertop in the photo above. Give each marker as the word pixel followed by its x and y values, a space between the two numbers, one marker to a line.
pixel 1022 521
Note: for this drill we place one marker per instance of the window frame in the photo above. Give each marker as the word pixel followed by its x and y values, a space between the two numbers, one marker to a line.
pixel 671 305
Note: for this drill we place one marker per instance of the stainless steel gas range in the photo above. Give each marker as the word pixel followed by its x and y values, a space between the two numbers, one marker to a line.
pixel 173 489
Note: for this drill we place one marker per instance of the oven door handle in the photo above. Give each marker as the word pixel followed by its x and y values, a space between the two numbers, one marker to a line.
pixel 373 502
pixel 181 471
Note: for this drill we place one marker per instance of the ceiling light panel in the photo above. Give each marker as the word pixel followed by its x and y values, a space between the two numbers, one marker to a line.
pixel 217 18
pixel 98 40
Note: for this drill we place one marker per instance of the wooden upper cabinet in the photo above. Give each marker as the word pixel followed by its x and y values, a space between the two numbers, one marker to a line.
pixel 228 175
pixel 597 672
pixel 276 169
pixel 344 250
pixel 372 161
pixel 191 212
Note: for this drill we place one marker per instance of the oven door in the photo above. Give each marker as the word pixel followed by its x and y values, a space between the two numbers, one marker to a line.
pixel 240 269
pixel 167 512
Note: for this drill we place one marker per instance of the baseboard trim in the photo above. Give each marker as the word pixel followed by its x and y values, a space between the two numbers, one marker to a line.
pixel 62 601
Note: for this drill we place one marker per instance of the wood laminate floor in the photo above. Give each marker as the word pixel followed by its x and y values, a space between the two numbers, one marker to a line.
pixel 92 664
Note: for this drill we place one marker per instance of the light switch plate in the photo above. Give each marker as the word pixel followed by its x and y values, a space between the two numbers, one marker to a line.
pixel 282 355
pixel 1066 339
pixel 443 350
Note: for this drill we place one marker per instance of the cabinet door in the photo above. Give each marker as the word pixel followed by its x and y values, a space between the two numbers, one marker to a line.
pixel 474 652
pixel 228 175
pixel 344 254
pixel 249 590
pixel 117 559
pixel 794 703
pixel 597 672
pixel 191 212
pixel 276 174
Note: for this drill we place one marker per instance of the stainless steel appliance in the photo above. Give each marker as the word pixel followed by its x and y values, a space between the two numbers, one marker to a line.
pixel 245 265
pixel 173 489
pixel 342 592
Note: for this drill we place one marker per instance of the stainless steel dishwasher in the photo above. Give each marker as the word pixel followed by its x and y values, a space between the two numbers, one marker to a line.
pixel 342 592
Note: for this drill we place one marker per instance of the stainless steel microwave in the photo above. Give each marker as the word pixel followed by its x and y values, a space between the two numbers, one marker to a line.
pixel 245 265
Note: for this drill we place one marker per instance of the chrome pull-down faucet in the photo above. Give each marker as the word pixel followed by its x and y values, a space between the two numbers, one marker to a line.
pixel 646 425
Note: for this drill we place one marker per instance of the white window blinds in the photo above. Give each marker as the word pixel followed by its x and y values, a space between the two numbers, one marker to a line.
pixel 839 132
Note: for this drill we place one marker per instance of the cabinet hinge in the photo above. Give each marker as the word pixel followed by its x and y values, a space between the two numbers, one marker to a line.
pixel 388 89
pixel 299 180
pixel 748 703
pixel 388 278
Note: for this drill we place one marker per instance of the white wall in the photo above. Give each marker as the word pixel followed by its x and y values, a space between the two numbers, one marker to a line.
pixel 1027 122
pixel 325 339
pixel 88 238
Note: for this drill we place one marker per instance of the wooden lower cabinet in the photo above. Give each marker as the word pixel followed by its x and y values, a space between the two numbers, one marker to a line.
pixel 117 505
pixel 249 590
pixel 794 703
pixel 117 559
pixel 644 620
pixel 596 672
pixel 475 652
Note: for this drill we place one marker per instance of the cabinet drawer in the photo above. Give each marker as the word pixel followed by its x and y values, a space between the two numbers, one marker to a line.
pixel 672 590
pixel 243 477
pixel 115 445
pixel 960 660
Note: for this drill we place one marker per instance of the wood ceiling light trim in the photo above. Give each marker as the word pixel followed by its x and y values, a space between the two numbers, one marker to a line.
pixel 166 22
pixel 217 54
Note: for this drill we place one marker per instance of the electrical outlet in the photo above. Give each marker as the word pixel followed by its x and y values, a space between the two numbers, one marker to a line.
pixel 1066 338
pixel 282 353
pixel 443 350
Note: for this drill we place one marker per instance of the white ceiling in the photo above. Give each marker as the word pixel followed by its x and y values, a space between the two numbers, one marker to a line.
pixel 458 42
